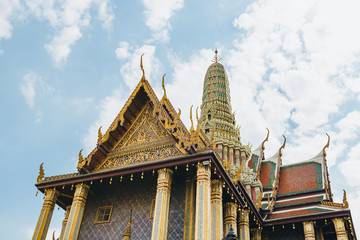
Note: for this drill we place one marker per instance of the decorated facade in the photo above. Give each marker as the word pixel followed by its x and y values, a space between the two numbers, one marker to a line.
pixel 149 177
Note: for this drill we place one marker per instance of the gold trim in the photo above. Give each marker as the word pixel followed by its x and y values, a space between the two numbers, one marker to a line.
pixel 97 214
pixel 152 209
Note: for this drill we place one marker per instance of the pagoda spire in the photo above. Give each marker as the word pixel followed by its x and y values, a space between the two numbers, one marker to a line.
pixel 217 119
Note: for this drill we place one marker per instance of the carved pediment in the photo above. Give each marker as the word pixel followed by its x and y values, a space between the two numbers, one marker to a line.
pixel 146 140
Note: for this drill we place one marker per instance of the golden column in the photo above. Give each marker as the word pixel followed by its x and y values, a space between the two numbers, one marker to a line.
pixel 340 229
pixel 161 212
pixel 202 209
pixel 230 216
pixel 47 209
pixel 216 210
pixel 65 221
pixel 244 231
pixel 76 212
pixel 309 230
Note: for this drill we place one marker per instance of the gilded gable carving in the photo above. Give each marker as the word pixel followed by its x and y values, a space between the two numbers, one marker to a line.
pixel 148 155
pixel 145 129
pixel 147 140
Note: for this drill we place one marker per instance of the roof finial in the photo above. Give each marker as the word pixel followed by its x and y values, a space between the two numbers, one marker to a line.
pixel 142 68
pixel 283 146
pixel 327 145
pixel 216 58
pixel 192 124
pixel 41 173
pixel 266 139
pixel 163 86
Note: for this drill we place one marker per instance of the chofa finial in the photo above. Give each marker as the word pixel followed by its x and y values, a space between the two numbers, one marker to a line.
pixel 283 146
pixel 327 144
pixel 82 161
pixel 163 86
pixel 142 68
pixel 192 124
pixel 41 173
pixel 266 139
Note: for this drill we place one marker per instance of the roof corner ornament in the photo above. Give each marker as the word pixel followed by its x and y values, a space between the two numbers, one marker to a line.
pixel 53 236
pixel 192 124
pixel 82 161
pixel 142 69
pixel 100 135
pixel 345 202
pixel 163 86
pixel 266 139
pixel 41 176
pixel 327 145
pixel 283 146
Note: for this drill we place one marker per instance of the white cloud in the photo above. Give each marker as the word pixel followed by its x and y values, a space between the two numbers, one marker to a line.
pixel 32 84
pixel 27 88
pixel 158 14
pixel 351 166
pixel 60 46
pixel 187 82
pixel 130 70
pixel 122 52
pixel 111 105
pixel 68 19
pixel 107 111
pixel 8 11
pixel 294 71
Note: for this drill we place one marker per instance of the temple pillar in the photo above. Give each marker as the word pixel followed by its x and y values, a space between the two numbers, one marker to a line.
pixel 202 209
pixel 47 209
pixel 76 212
pixel 340 229
pixel 309 230
pixel 189 210
pixel 216 210
pixel 230 216
pixel 256 233
pixel 162 200
pixel 65 221
pixel 243 224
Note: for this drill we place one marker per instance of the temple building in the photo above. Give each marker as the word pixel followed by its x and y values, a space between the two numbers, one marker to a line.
pixel 149 177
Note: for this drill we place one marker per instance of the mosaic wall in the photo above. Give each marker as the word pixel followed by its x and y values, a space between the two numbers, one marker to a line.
pixel 135 195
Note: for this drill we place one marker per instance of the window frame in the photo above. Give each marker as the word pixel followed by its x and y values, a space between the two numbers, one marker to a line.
pixel 98 212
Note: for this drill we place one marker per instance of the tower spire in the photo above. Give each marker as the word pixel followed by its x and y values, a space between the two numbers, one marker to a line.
pixel 216 59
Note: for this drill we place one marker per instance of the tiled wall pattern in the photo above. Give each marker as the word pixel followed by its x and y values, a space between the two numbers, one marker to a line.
pixel 136 195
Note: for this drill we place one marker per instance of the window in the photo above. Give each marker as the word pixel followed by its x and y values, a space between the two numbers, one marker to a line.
pixel 103 214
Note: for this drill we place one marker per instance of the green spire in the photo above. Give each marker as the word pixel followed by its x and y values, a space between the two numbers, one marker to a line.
pixel 216 113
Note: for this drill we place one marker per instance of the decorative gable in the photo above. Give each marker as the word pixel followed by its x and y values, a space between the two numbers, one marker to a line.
pixel 147 140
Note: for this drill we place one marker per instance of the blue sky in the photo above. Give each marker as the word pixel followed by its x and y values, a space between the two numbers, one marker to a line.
pixel 67 67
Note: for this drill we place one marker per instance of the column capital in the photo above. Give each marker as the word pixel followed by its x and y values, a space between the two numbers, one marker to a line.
pixel 309 230
pixel 340 228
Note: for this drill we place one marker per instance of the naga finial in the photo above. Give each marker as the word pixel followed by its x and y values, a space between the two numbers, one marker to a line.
pixel 41 173
pixel 197 116
pixel 345 202
pixel 327 145
pixel 142 68
pixel 283 146
pixel 163 86
pixel 266 139
pixel 192 124
pixel 100 135
pixel 53 236
pixel 81 159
